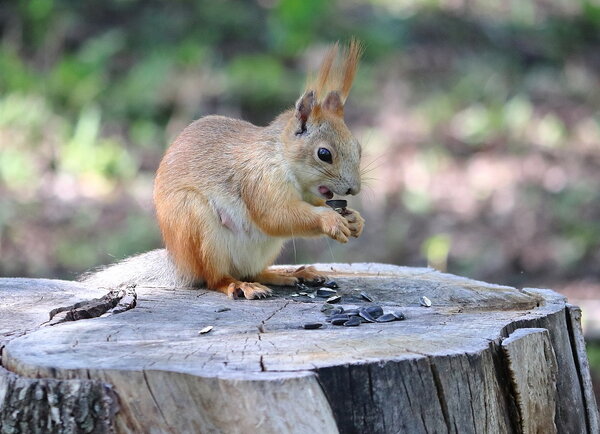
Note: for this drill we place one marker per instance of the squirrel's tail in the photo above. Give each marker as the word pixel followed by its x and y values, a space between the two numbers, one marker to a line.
pixel 153 268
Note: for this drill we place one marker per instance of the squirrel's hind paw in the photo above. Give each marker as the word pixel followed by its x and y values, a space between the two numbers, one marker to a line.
pixel 249 290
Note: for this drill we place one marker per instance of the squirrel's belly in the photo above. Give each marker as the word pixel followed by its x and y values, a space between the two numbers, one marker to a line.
pixel 248 249
pixel 250 258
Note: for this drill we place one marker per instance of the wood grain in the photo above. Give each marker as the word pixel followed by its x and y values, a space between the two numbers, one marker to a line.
pixel 533 372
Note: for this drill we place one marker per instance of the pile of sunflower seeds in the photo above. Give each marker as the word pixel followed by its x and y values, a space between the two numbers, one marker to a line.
pixel 326 290
pixel 338 316
pixel 349 317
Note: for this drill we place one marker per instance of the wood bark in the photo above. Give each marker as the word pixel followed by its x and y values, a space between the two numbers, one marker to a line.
pixel 482 359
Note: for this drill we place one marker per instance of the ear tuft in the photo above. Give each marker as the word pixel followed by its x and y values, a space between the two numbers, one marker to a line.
pixel 333 103
pixel 352 57
pixel 304 107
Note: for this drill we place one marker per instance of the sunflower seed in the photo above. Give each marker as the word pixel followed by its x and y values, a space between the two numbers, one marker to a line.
pixel 303 293
pixel 425 301
pixel 339 319
pixel 375 311
pixel 326 292
pixel 337 310
pixel 399 315
pixel 312 325
pixel 352 312
pixel 326 307
pixel 331 284
pixel 334 299
pixel 386 318
pixel 352 322
pixel 222 309
pixel 295 295
pixel 366 315
pixel 205 330
pixel 366 296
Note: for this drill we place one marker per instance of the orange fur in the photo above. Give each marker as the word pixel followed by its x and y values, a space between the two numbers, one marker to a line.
pixel 337 79
pixel 229 193
pixel 350 66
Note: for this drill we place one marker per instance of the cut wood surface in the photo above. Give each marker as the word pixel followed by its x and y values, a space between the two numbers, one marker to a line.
pixel 442 369
pixel 533 371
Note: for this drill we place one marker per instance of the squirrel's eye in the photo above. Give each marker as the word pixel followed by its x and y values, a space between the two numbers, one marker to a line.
pixel 325 155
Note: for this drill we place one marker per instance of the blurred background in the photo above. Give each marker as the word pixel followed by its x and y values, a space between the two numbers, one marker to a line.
pixel 480 122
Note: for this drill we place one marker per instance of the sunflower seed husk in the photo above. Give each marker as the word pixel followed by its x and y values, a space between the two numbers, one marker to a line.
pixel 295 295
pixel 352 312
pixel 303 293
pixel 375 311
pixel 337 310
pixel 312 325
pixel 352 322
pixel 326 292
pixel 326 307
pixel 331 284
pixel 366 316
pixel 312 295
pixel 334 299
pixel 425 301
pixel 399 315
pixel 366 296
pixel 386 318
pixel 205 330
pixel 301 287
pixel 340 319
pixel 222 309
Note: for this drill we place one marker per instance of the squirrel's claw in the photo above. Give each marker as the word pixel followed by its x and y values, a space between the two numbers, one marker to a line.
pixel 309 275
pixel 249 290
pixel 336 226
pixel 355 222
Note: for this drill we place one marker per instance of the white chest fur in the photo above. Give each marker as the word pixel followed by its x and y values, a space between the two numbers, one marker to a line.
pixel 249 249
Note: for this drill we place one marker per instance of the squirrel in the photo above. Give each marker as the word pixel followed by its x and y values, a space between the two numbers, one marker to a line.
pixel 229 194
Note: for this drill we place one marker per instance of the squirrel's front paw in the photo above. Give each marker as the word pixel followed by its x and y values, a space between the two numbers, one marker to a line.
pixel 355 222
pixel 336 226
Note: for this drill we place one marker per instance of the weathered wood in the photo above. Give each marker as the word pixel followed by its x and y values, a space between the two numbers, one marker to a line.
pixel 47 405
pixel 441 370
pixel 583 368
pixel 29 405
pixel 533 371
pixel 570 410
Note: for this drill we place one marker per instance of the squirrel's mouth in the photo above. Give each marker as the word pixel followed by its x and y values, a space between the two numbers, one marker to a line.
pixel 325 192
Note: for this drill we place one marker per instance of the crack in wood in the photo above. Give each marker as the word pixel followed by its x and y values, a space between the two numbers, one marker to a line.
pixel 573 319
pixel 154 400
pixel 440 392
pixel 116 301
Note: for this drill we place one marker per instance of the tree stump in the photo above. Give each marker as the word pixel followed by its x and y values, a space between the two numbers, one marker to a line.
pixel 482 359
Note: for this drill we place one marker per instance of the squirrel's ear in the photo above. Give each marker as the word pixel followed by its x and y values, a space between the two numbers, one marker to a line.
pixel 333 103
pixel 304 107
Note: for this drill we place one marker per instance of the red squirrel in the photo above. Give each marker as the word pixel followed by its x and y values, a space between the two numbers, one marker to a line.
pixel 229 194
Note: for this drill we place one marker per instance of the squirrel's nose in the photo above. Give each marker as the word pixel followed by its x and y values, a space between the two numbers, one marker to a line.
pixel 353 190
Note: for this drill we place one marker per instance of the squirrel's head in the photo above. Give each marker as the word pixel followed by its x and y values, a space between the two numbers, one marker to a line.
pixel 325 156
